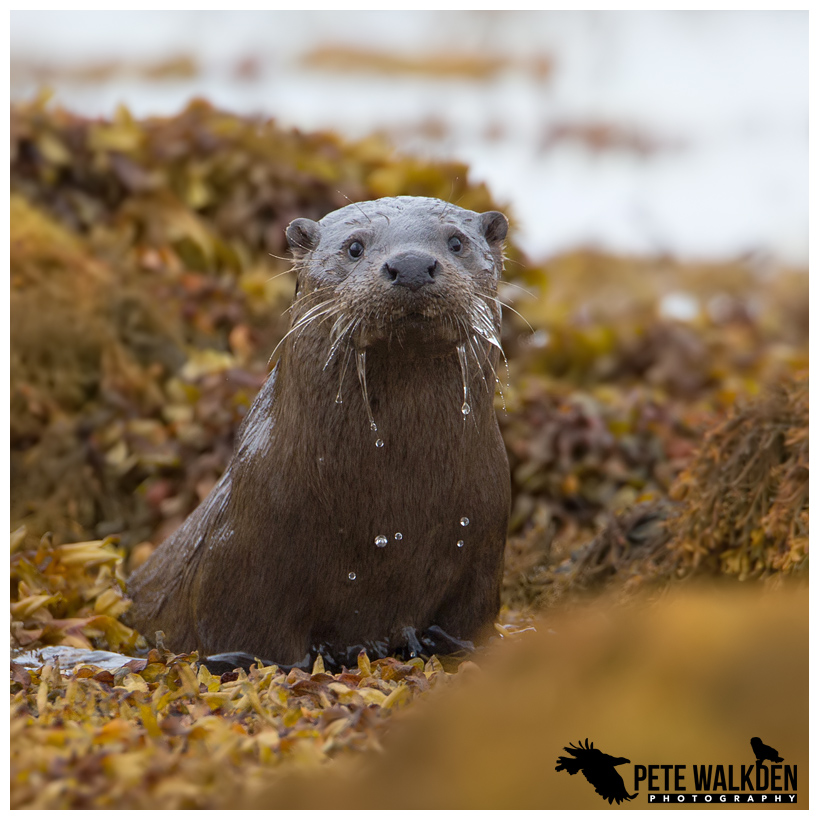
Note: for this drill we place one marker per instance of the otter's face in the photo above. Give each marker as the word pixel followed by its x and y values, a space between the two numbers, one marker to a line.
pixel 416 271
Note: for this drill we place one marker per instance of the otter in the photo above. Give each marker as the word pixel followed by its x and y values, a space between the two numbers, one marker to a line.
pixel 367 500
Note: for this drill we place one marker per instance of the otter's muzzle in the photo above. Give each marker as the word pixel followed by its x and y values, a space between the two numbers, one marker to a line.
pixel 410 269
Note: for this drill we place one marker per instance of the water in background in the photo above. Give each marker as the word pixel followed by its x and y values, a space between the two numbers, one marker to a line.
pixel 635 132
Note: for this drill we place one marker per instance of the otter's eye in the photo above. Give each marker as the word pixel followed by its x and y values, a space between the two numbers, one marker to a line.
pixel 455 244
pixel 355 250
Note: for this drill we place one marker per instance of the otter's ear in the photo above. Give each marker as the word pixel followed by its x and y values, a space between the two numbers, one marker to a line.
pixel 494 226
pixel 302 236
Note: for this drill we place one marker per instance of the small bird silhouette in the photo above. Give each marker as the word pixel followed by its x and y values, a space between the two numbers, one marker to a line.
pixel 764 752
pixel 598 769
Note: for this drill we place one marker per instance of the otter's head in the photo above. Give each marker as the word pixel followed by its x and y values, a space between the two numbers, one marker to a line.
pixel 412 271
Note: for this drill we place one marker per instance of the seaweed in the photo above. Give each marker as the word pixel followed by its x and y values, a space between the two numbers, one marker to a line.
pixel 745 495
pixel 149 284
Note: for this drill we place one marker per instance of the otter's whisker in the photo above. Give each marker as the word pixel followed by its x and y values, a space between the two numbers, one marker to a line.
pixel 508 307
pixel 301 299
pixel 460 324
pixel 337 337
pixel 361 367
pixel 310 313
pixel 335 333
pixel 344 364
pixel 465 408
pixel 319 316
pixel 475 342
pixel 355 204
pixel 464 361
pixel 277 275
pixel 506 258
pixel 481 364
pixel 303 321
pixel 508 284
pixel 483 324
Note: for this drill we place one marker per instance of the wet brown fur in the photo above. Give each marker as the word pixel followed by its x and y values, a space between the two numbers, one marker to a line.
pixel 263 565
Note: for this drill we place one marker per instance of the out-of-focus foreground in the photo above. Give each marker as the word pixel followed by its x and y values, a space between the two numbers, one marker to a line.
pixel 686 681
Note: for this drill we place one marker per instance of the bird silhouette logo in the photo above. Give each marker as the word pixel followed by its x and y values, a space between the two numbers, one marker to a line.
pixel 598 769
pixel 764 752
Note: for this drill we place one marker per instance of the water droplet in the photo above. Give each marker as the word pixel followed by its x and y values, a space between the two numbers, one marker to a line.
pixel 381 540
pixel 379 443
pixel 373 427
pixel 338 399
pixel 460 544
pixel 351 576
pixel 465 408
pixel 398 536
pixel 321 459
pixel 356 612
pixel 464 522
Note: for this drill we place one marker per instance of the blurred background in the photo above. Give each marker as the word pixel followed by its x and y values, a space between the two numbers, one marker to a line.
pixel 644 132
pixel 654 166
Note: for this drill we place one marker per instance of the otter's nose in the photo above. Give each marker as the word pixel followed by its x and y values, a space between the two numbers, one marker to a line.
pixel 411 270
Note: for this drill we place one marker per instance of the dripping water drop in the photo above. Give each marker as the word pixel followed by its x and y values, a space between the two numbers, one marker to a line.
pixel 381 540
pixel 379 443
pixel 465 408
pixel 398 536
pixel 361 367
pixel 351 576
pixel 464 522
pixel 460 544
